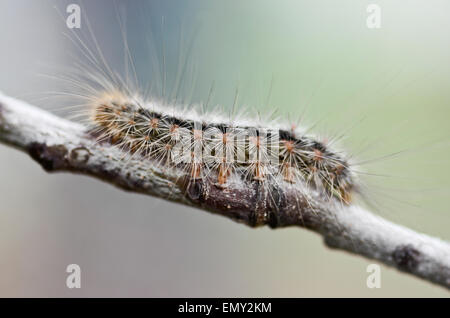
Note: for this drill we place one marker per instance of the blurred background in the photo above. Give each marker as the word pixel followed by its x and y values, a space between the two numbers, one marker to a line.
pixel 390 85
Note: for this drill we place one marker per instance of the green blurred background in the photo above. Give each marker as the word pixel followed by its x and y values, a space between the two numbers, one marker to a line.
pixel 389 85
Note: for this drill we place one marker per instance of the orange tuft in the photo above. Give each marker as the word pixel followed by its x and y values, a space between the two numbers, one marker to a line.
pixel 318 155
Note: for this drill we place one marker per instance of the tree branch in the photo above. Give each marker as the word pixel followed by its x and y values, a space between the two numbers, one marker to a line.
pixel 61 145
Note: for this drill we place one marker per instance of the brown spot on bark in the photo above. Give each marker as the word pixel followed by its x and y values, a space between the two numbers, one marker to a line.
pixel 49 157
pixel 406 257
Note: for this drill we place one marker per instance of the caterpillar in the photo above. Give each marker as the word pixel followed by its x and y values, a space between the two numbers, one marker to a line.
pixel 220 149
pixel 210 147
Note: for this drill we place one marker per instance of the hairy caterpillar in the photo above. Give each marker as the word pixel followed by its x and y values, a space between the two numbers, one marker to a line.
pixel 208 146
pixel 221 149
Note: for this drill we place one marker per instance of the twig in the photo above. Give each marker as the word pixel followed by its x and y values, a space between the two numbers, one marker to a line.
pixel 61 145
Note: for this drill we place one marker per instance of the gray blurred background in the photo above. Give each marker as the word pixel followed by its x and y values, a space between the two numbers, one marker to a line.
pixel 391 84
